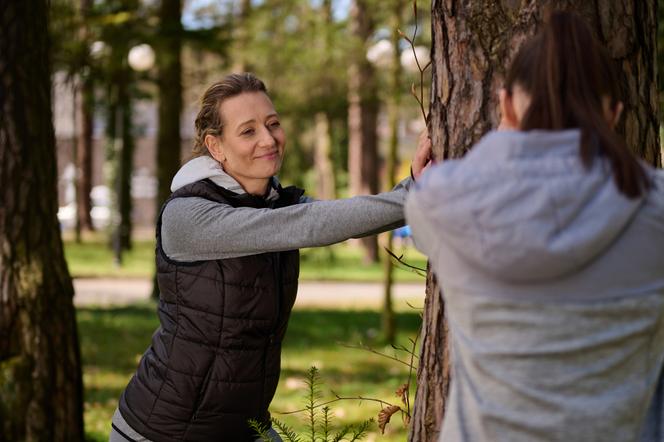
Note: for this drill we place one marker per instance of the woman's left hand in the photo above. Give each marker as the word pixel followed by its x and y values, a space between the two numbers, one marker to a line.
pixel 423 158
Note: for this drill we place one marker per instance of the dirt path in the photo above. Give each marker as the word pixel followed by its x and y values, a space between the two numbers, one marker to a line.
pixel 110 292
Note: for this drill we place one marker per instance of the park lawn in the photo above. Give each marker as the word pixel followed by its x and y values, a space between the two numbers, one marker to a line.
pixel 112 341
pixel 342 262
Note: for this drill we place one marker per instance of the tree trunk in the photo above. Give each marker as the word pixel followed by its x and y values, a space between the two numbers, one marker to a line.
pixel 170 102
pixel 325 187
pixel 471 45
pixel 170 96
pixel 388 320
pixel 242 34
pixel 126 159
pixel 84 154
pixel 84 147
pixel 40 372
pixel 362 116
pixel 120 148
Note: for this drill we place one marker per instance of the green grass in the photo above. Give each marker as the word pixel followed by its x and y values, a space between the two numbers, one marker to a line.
pixel 93 259
pixel 343 262
pixel 112 341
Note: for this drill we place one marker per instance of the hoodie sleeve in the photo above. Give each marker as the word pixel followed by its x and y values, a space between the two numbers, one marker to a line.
pixel 418 212
pixel 196 229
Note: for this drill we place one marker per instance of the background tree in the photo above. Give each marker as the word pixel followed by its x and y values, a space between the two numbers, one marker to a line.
pixel 472 42
pixel 84 140
pixel 394 104
pixel 323 162
pixel 169 47
pixel 363 108
pixel 40 372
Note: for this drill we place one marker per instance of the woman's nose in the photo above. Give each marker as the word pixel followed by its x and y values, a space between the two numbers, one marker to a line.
pixel 266 139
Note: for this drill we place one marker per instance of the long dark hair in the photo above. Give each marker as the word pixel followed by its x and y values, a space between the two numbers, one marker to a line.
pixel 567 74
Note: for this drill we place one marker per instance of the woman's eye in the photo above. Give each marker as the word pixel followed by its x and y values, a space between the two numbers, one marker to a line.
pixel 247 132
pixel 275 124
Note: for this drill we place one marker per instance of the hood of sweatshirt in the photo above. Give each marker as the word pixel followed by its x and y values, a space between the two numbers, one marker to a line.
pixel 206 167
pixel 522 207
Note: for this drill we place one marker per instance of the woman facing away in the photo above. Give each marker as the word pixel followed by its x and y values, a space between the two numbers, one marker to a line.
pixel 227 269
pixel 548 243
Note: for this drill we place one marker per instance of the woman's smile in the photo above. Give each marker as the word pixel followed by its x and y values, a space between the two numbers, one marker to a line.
pixel 271 156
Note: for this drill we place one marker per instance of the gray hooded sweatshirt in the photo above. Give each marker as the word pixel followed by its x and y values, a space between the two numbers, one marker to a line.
pixel 553 283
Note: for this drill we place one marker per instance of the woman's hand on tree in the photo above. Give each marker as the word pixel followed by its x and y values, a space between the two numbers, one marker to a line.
pixel 423 158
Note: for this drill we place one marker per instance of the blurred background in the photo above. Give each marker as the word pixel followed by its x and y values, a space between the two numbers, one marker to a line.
pixel 350 90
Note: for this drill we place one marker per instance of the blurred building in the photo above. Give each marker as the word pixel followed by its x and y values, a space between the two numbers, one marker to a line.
pixel 144 184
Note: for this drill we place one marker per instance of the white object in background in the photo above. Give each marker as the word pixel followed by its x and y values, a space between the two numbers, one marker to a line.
pixel 97 49
pixel 380 54
pixel 408 59
pixel 141 57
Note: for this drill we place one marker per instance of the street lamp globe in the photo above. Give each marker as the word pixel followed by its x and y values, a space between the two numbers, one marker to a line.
pixel 141 58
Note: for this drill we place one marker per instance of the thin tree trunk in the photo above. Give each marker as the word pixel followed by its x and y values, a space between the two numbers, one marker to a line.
pixel 170 102
pixel 325 187
pixel 472 43
pixel 241 57
pixel 170 96
pixel 84 146
pixel 126 159
pixel 388 319
pixel 362 116
pixel 84 154
pixel 40 372
pixel 326 183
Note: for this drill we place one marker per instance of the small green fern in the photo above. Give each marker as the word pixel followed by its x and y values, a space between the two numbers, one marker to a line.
pixel 261 430
pixel 318 418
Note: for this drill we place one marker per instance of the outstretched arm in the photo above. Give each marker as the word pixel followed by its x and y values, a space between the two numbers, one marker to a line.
pixel 196 229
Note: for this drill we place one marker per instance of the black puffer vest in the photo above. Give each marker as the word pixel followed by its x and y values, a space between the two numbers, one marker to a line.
pixel 214 362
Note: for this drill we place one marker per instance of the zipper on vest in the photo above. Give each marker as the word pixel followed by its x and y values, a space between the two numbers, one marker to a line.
pixel 277 272
pixel 269 342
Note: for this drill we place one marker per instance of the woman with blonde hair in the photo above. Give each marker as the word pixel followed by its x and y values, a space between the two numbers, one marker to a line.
pixel 227 269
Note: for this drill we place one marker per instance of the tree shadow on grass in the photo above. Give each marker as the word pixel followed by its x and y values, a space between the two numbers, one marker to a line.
pixel 326 328
pixel 114 338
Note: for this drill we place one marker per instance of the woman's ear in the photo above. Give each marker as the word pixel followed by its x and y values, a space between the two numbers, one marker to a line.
pixel 213 145
pixel 508 118
pixel 611 112
pixel 617 112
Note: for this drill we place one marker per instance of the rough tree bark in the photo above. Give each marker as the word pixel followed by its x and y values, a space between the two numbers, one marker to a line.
pixel 362 116
pixel 472 42
pixel 40 371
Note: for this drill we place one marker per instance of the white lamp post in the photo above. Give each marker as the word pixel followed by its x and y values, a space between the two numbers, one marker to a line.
pixel 141 58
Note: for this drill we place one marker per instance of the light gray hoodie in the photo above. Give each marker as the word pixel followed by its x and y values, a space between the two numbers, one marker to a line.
pixel 553 284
